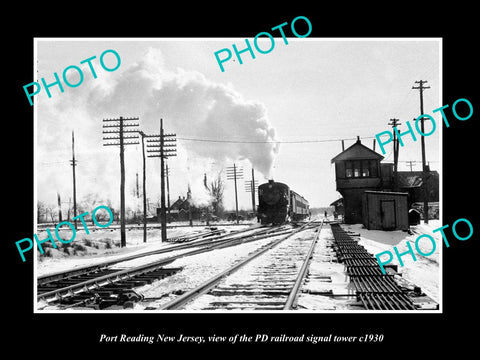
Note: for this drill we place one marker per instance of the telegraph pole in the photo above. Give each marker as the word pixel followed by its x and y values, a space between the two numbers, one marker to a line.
pixel 162 151
pixel 119 128
pixel 253 190
pixel 137 191
pixel 167 174
pixel 421 87
pixel 234 173
pixel 59 201
pixel 395 123
pixel 411 163
pixel 252 186
pixel 189 199
pixel 162 183
pixel 142 134
pixel 205 184
pixel 73 162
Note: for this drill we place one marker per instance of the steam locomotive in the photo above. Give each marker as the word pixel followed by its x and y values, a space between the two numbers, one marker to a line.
pixel 278 204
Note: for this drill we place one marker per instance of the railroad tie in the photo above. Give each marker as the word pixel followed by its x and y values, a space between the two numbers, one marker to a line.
pixel 375 290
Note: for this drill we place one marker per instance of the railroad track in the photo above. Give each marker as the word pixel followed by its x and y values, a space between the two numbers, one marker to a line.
pixel 375 290
pixel 196 240
pixel 101 286
pixel 273 284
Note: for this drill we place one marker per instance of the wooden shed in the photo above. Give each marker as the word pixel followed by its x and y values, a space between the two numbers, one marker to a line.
pixel 385 210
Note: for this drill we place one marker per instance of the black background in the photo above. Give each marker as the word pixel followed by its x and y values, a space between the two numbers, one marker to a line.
pixel 404 334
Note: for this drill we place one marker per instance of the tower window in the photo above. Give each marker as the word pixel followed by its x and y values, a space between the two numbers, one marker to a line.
pixel 361 169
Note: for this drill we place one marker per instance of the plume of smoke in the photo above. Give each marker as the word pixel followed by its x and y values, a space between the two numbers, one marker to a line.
pixel 192 106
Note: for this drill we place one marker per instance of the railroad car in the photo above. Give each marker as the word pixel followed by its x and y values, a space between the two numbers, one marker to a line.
pixel 278 204
pixel 299 208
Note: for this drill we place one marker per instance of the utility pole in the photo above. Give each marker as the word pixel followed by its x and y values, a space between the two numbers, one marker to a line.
pixel 142 134
pixel 69 207
pixel 167 174
pixel 395 123
pixel 251 187
pixel 421 87
pixel 73 162
pixel 119 128
pixel 411 163
pixel 59 208
pixel 205 184
pixel 162 183
pixel 189 199
pixel 137 192
pixel 234 173
pixel 162 151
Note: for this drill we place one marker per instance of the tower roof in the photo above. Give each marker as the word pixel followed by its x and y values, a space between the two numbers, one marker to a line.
pixel 357 151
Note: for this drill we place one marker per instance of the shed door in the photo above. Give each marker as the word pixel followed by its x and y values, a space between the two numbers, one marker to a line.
pixel 387 209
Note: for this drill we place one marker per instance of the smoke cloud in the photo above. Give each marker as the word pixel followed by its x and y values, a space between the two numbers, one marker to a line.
pixel 194 108
pixel 213 122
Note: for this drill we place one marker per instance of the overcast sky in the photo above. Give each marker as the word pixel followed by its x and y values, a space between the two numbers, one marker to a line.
pixel 284 112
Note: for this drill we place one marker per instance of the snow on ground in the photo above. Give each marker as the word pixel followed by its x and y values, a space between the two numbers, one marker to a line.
pixel 277 266
pixel 425 272
pixel 92 249
pixel 195 270
pixel 325 274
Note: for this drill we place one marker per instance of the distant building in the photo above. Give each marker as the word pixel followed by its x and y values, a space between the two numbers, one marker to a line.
pixel 338 208
pixel 412 182
pixel 180 210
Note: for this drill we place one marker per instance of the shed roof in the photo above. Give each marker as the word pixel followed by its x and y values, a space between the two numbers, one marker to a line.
pixel 337 202
pixel 409 179
pixel 357 151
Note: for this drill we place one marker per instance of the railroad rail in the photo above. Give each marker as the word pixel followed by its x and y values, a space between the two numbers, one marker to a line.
pixel 205 239
pixel 375 290
pixel 266 291
pixel 102 285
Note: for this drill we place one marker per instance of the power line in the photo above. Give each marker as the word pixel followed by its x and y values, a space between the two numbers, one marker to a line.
pixel 269 142
pixel 435 161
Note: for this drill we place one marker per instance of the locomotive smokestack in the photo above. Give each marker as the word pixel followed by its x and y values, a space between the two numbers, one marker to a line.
pixel 270 181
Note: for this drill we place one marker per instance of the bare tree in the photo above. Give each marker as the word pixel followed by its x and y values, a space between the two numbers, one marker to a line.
pixel 51 209
pixel 41 211
pixel 216 188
